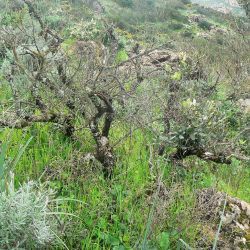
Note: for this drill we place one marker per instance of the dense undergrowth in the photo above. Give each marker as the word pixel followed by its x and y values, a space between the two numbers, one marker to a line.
pixel 150 201
pixel 136 204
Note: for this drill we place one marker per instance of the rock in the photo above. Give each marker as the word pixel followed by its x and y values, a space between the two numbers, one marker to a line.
pixel 196 18
pixel 235 232
pixel 204 35
pixel 153 63
pixel 158 57
pixel 244 105
pixel 215 30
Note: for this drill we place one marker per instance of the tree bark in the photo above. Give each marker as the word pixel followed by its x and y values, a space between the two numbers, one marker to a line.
pixel 104 152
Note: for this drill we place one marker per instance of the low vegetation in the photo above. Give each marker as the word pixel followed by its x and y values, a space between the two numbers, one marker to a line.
pixel 126 125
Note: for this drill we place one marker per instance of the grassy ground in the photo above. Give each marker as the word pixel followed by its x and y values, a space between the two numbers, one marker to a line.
pixel 144 204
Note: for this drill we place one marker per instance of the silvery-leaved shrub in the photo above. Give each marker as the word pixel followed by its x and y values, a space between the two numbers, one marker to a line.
pixel 26 220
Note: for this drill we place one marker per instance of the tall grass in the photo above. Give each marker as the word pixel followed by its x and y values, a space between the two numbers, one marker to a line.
pixel 115 214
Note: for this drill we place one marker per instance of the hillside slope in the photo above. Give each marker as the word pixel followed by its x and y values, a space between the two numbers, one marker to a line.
pixel 225 6
pixel 131 118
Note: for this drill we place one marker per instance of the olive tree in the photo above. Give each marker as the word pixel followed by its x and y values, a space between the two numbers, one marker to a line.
pixel 52 79
pixel 80 82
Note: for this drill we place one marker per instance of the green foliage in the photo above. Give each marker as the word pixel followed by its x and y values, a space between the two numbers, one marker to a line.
pixel 125 3
pixel 177 76
pixel 177 16
pixel 205 25
pixel 86 30
pixel 26 220
pixel 13 18
pixel 26 213
pixel 148 12
pixel 186 1
pixel 164 240
pixel 121 56
pixel 54 21
pixel 176 26
pixel 125 199
pixel 188 34
pixel 150 3
pixel 205 123
pixel 136 206
pixel 6 166
pixel 2 165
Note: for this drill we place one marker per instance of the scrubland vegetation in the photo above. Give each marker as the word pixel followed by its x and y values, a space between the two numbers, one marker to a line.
pixel 124 125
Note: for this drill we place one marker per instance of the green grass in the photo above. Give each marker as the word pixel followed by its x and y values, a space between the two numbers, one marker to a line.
pixel 115 214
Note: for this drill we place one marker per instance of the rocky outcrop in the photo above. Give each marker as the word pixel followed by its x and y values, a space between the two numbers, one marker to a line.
pixel 195 18
pixel 235 218
pixel 160 57
pixel 244 105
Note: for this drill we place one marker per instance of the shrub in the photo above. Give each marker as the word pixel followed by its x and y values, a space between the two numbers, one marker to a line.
pixel 186 1
pixel 86 30
pixel 150 3
pixel 125 3
pixel 205 25
pixel 54 21
pixel 25 217
pixel 176 26
pixel 205 125
pixel 121 56
pixel 176 15
pixel 188 34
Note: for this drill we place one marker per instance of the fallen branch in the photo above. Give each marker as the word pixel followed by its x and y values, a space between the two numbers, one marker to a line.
pixel 202 154
pixel 27 121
